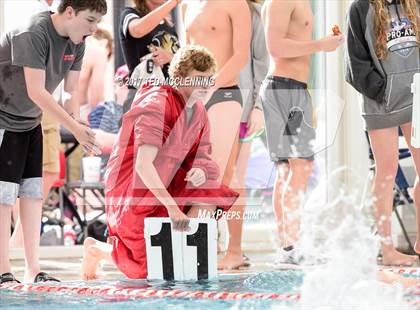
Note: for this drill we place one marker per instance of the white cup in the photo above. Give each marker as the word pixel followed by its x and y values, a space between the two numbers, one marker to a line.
pixel 91 169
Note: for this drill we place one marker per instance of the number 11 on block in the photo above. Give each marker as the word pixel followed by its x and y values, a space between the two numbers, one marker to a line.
pixel 181 256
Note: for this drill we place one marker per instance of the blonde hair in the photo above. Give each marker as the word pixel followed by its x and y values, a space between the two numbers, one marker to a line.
pixel 382 19
pixel 190 58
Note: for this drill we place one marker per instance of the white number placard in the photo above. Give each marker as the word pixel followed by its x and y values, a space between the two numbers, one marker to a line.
pixel 181 256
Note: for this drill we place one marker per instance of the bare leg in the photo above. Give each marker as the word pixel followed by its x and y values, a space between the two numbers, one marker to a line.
pixel 5 216
pixel 282 173
pixel 234 258
pixel 415 153
pixel 224 122
pixel 16 241
pixel 30 216
pixel 299 173
pixel 93 252
pixel 384 143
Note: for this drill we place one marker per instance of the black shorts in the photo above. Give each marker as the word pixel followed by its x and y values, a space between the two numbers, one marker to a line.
pixel 20 165
pixel 232 93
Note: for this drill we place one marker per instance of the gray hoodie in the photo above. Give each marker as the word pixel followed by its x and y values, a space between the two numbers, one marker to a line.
pixel 384 84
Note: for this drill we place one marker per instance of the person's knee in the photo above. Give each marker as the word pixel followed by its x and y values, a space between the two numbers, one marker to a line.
pixel 386 172
pixel 301 168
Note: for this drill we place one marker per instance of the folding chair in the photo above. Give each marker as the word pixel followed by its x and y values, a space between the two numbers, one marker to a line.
pixel 65 205
pixel 80 188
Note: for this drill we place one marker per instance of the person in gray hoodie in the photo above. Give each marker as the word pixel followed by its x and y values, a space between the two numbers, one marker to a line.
pixel 381 60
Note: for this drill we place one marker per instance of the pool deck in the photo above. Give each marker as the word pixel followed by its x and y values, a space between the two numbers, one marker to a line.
pixel 68 269
pixel 64 263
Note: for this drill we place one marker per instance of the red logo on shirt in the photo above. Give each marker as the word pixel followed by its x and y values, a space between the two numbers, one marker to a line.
pixel 69 57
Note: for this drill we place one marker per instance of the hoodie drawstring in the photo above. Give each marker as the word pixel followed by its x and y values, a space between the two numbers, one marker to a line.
pixel 398 12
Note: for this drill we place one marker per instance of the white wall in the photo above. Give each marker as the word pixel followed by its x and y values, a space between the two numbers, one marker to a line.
pixel 350 147
pixel 1 17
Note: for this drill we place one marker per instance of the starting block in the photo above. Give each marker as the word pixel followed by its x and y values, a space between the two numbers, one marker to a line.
pixel 181 256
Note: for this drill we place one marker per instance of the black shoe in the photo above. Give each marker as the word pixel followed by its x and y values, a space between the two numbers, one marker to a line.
pixel 43 277
pixel 8 278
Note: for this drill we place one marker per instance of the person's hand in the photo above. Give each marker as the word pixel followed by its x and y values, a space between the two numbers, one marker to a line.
pixel 255 121
pixel 331 42
pixel 196 176
pixel 161 56
pixel 86 138
pixel 180 221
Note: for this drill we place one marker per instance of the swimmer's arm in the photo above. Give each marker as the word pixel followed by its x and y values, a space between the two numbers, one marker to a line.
pixel 241 24
pixel 278 16
pixel 260 63
pixel 84 77
pixel 91 80
pixel 145 168
pixel 96 83
pixel 140 27
pixel 184 29
pixel 35 86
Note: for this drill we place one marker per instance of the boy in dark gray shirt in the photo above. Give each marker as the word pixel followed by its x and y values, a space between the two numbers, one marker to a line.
pixel 34 59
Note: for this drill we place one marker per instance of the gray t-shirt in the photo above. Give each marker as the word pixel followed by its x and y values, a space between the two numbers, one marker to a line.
pixel 36 45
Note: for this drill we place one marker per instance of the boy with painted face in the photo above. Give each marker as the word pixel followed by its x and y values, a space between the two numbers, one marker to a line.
pixel 160 165
pixel 34 59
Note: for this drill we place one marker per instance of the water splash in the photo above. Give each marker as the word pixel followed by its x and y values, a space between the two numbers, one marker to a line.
pixel 338 238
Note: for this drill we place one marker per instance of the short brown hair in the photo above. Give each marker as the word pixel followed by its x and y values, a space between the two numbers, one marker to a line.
pixel 81 5
pixel 104 34
pixel 190 58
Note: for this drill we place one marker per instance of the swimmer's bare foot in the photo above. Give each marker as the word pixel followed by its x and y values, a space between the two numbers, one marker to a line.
pixel 394 258
pixel 91 259
pixel 232 262
pixel 390 277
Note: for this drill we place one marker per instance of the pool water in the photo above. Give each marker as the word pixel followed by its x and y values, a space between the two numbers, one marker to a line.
pixel 288 281
pixel 278 282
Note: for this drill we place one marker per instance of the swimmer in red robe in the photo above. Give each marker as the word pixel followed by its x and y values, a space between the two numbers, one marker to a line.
pixel 160 166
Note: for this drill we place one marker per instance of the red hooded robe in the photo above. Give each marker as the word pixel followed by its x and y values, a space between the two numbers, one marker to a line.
pixel 157 117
